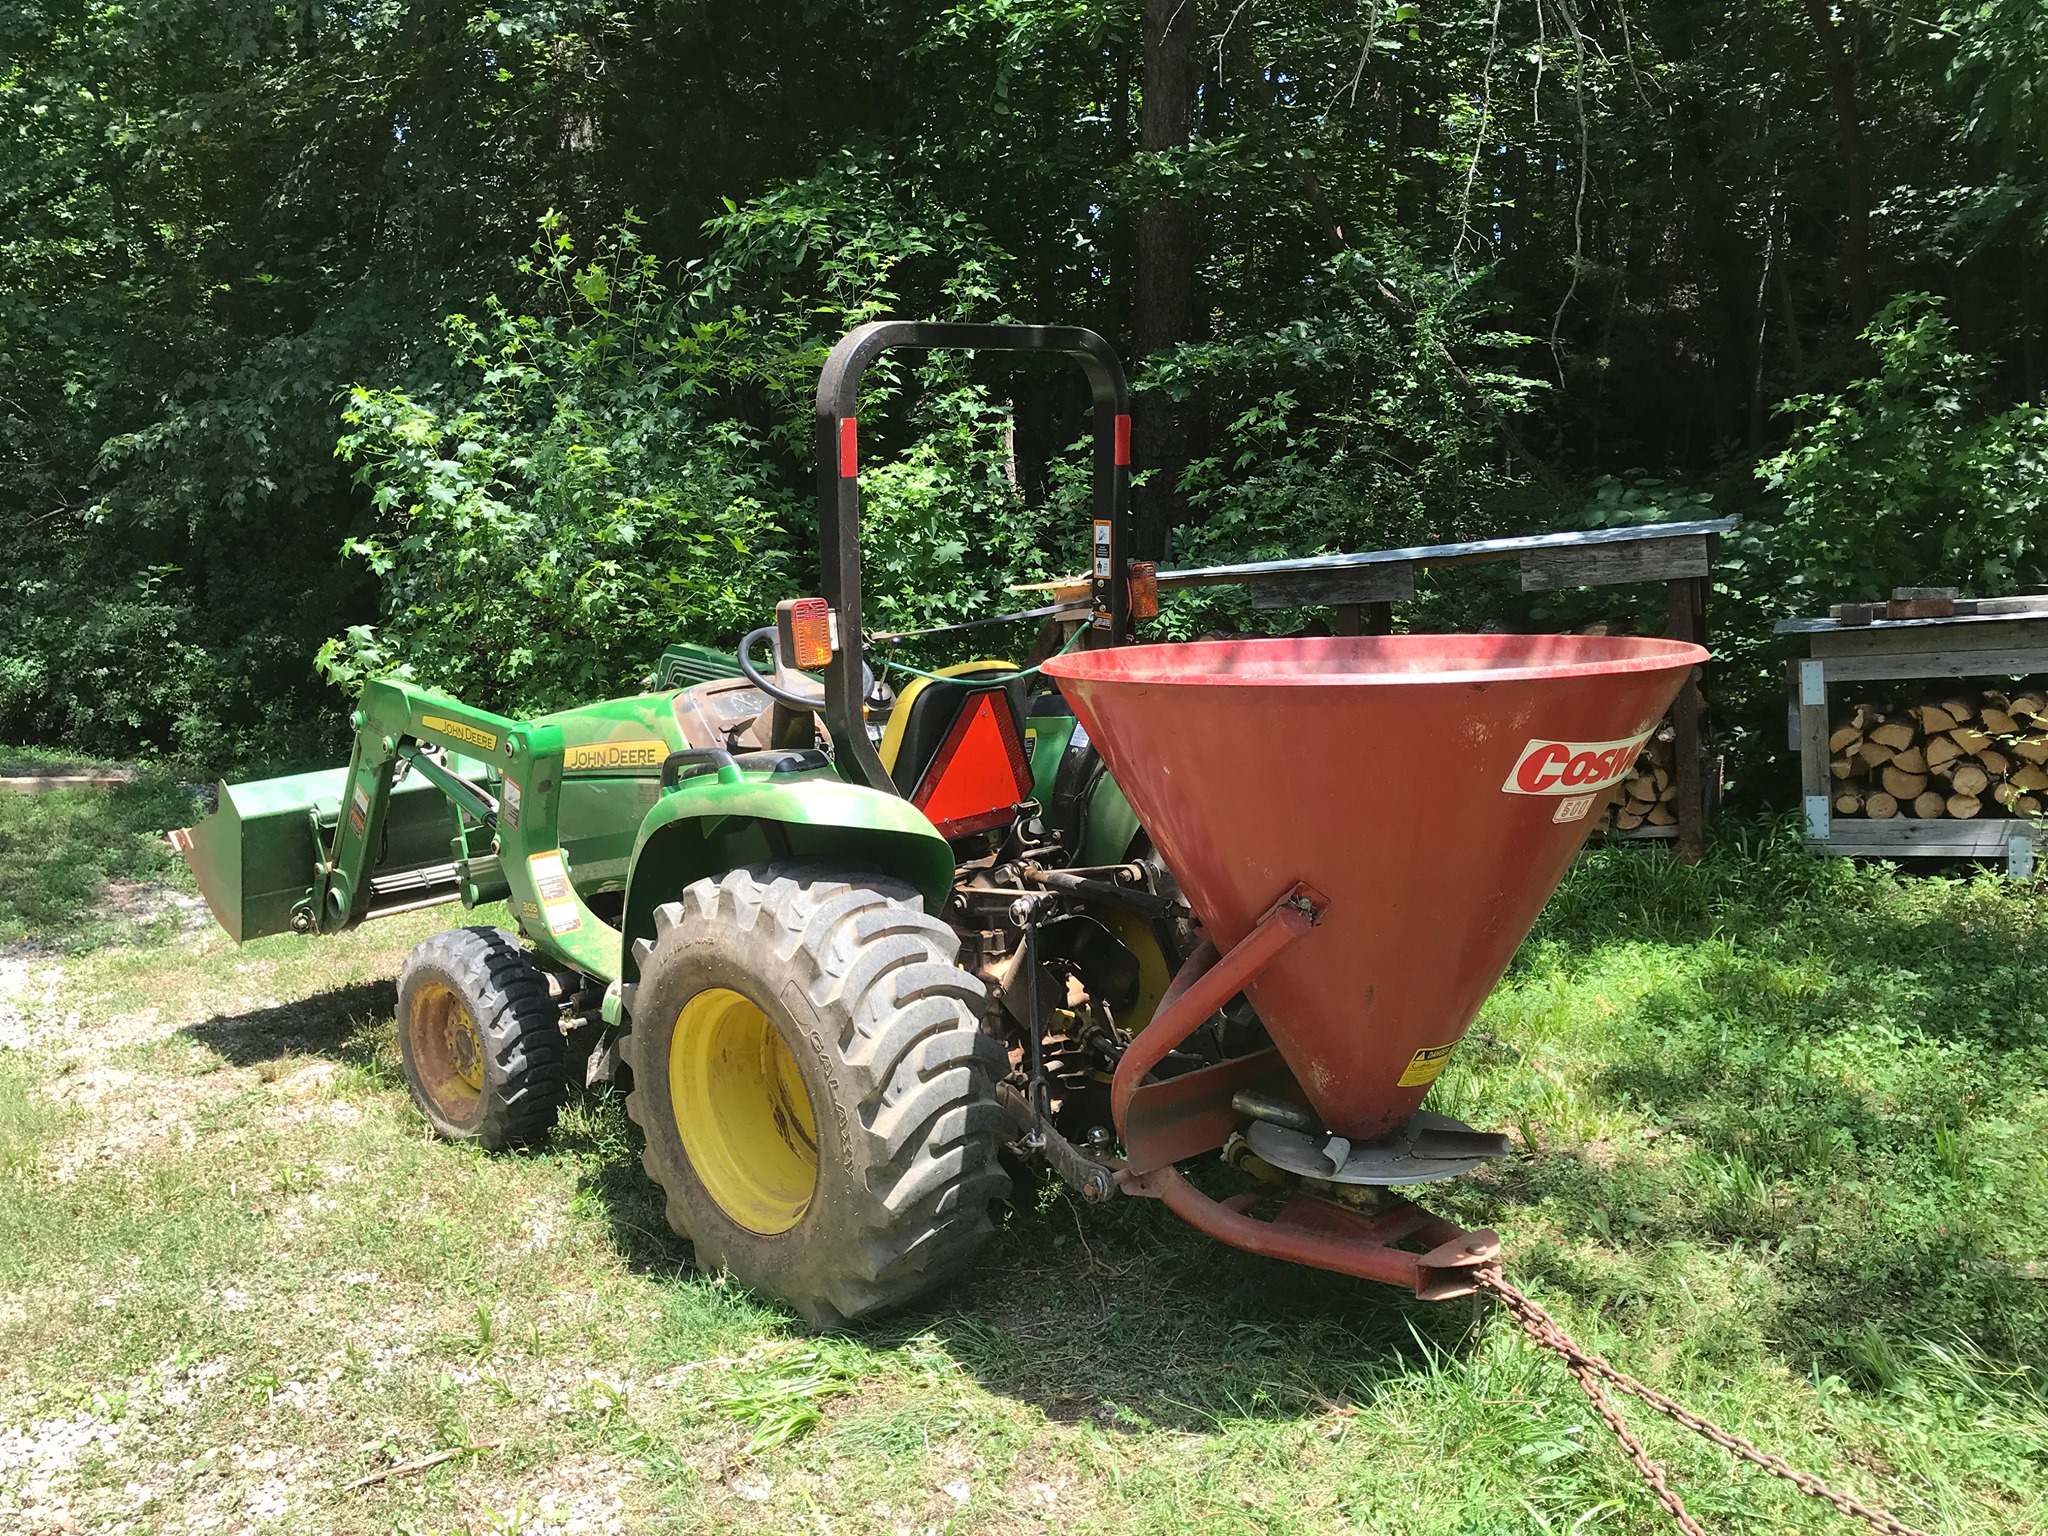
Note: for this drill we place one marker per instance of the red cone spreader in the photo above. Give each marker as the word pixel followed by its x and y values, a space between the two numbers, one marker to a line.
pixel 1366 828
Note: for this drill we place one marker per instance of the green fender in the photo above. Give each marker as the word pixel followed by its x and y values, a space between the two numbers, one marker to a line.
pixel 1109 826
pixel 713 824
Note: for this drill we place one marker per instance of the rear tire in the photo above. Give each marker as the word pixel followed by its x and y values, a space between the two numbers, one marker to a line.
pixel 480 1039
pixel 818 1101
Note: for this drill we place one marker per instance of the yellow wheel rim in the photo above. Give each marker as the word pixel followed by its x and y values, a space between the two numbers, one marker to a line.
pixel 1154 974
pixel 447 1051
pixel 742 1112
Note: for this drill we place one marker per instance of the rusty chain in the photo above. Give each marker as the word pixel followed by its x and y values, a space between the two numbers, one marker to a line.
pixel 1590 1371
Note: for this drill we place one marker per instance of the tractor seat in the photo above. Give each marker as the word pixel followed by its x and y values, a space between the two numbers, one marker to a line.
pixel 983 722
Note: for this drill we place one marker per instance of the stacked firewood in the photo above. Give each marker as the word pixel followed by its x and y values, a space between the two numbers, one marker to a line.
pixel 1649 795
pixel 1981 754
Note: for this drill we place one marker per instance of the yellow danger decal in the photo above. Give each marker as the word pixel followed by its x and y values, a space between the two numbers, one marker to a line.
pixel 1427 1065
pixel 557 899
pixel 460 730
pixel 615 756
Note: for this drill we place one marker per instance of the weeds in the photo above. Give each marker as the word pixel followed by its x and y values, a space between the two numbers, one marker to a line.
pixel 782 1397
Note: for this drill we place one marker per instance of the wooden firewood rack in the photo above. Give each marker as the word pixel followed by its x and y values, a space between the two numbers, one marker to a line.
pixel 1363 588
pixel 2008 640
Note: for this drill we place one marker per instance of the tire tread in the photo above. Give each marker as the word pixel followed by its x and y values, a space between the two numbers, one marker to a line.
pixel 919 1075
pixel 519 1022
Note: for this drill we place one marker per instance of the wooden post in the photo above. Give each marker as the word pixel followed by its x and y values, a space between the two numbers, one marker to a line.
pixel 1347 618
pixel 1816 786
pixel 1688 621
pixel 1379 618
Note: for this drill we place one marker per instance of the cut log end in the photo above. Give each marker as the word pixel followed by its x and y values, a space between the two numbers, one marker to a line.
pixel 1902 785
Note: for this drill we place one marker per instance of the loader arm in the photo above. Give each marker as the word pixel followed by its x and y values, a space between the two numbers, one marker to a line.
pixel 519 827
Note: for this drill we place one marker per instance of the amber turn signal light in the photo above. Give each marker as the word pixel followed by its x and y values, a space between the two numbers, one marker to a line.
pixel 805 628
pixel 1144 590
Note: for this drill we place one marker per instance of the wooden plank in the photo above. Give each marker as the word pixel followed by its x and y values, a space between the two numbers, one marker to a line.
pixel 1925 639
pixel 1968 663
pixel 1907 837
pixel 1994 607
pixel 1971 613
pixel 1813 777
pixel 1810 701
pixel 1296 589
pixel 1609 564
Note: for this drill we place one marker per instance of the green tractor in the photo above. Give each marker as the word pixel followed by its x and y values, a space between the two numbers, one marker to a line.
pixel 858 950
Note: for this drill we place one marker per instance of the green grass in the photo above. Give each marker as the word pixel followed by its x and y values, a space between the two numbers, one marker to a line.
pixel 39 760
pixel 61 851
pixel 1783 1125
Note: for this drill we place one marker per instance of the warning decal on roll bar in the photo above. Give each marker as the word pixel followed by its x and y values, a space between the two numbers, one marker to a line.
pixel 1571 767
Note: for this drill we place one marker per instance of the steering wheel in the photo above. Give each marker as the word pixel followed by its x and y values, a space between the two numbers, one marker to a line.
pixel 810 701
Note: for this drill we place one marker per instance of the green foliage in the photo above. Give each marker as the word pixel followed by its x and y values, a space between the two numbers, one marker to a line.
pixel 1900 480
pixel 1997 67
pixel 1452 265
pixel 943 531
pixel 1399 446
pixel 565 506
pixel 780 1397
pixel 218 216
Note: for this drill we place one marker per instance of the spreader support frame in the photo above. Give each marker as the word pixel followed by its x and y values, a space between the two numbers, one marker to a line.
pixel 1160 1123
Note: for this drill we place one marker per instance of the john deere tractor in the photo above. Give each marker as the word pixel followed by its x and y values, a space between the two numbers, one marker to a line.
pixel 856 947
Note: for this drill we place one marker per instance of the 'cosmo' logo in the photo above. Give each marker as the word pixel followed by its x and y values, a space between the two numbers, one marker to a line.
pixel 1571 767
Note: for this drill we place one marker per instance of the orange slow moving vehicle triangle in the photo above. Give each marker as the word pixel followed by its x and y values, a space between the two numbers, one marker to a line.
pixel 979 773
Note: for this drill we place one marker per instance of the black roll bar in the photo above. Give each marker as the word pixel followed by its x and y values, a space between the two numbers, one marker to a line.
pixel 839 496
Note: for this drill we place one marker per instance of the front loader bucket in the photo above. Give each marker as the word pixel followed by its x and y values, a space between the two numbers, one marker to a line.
pixel 257 854
pixel 1429 789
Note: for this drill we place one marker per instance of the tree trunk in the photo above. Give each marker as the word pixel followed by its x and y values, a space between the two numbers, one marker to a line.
pixel 1838 59
pixel 1169 241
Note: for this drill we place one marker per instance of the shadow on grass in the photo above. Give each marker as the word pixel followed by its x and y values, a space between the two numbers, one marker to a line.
pixel 352 1025
pixel 338 1024
pixel 1126 1316
pixel 594 1131
pixel 1118 1314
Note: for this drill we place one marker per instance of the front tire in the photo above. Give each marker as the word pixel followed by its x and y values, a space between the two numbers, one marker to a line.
pixel 818 1101
pixel 480 1040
